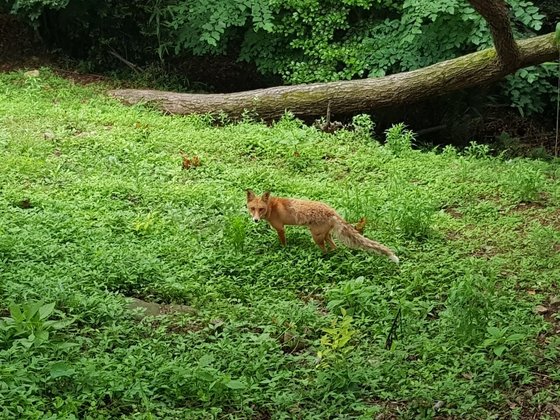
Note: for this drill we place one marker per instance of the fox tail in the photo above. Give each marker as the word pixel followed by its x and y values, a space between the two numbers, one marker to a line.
pixel 349 236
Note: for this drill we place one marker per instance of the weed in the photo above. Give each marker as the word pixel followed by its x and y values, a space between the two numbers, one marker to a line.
pixel 235 231
pixel 363 126
pixel 469 307
pixel 335 343
pixel 29 324
pixel 411 211
pixel 500 340
pixel 525 183
pixel 543 240
pixel 477 151
pixel 399 140
pixel 358 298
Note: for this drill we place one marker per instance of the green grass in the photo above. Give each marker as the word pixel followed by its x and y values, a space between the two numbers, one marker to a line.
pixel 95 206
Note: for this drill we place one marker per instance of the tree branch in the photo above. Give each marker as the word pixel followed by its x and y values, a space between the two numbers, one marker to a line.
pixel 496 14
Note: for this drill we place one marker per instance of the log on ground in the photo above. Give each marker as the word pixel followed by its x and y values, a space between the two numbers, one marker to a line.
pixel 354 96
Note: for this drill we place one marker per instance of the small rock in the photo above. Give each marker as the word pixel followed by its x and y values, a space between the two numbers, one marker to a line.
pixel 31 73
pixel 438 405
pixel 148 308
pixel 48 135
pixel 155 309
pixel 539 309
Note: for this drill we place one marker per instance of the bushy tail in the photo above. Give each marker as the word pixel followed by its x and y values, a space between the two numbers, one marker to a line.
pixel 349 236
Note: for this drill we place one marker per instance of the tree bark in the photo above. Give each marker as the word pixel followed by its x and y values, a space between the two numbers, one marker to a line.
pixel 496 15
pixel 354 96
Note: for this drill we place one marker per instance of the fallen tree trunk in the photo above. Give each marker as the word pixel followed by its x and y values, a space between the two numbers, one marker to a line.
pixel 355 96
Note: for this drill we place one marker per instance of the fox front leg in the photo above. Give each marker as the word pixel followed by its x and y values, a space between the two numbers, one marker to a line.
pixel 281 236
pixel 280 231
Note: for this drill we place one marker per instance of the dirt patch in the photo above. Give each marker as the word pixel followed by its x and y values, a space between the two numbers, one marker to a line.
pixel 526 399
pixel 82 78
pixel 19 47
pixel 453 212
pixel 523 207
pixel 488 251
pixel 507 130
pixel 550 311
pixel 551 219
pixel 392 409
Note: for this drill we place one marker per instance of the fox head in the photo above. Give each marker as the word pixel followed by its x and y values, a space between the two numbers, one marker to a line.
pixel 257 206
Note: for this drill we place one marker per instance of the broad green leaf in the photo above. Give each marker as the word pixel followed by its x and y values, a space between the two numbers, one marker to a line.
pixel 15 312
pixel 32 308
pixel 205 375
pixel 60 369
pixel 236 384
pixel 46 310
pixel 205 360
pixel 42 335
pixel 499 350
pixel 515 337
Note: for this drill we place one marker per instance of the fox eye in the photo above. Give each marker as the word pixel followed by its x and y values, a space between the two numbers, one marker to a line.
pixel 252 208
pixel 262 210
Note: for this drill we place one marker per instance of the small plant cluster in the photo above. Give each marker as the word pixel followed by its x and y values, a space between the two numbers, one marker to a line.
pixel 29 325
pixel 96 208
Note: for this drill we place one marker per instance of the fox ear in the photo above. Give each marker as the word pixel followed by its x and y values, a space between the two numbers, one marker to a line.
pixel 250 195
pixel 266 196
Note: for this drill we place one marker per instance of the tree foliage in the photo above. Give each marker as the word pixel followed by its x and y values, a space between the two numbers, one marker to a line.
pixel 303 41
pixel 311 40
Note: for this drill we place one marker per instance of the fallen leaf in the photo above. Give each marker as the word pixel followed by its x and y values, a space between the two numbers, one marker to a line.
pixel 511 405
pixel 361 225
pixel 189 162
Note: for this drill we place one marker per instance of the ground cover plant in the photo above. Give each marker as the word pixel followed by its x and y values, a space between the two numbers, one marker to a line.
pixel 100 202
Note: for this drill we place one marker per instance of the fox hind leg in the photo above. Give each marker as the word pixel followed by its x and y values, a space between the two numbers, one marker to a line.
pixel 320 241
pixel 330 241
pixel 319 236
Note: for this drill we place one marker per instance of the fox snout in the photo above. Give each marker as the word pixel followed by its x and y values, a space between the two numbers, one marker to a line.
pixel 256 219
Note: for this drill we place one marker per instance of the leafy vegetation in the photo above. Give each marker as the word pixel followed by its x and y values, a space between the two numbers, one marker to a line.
pixel 97 204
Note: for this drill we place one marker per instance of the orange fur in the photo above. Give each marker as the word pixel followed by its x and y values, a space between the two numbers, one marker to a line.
pixel 318 217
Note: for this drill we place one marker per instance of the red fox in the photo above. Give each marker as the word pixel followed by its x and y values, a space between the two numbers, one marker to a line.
pixel 320 218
